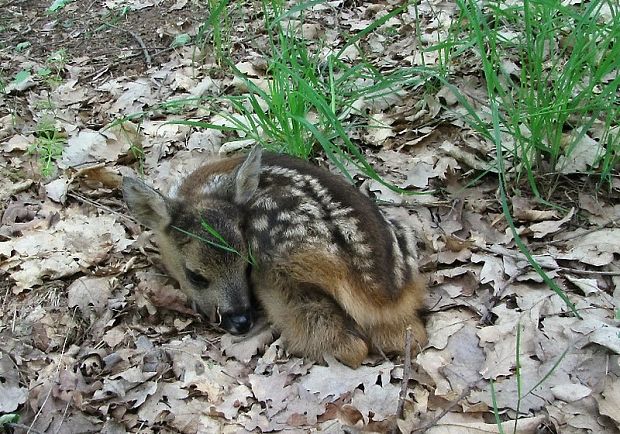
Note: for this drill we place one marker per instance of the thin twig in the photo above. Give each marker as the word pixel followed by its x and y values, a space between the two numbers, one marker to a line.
pixel 137 37
pixel 64 415
pixel 446 410
pixel 49 392
pixel 100 206
pixel 402 395
pixel 4 299
pixel 590 272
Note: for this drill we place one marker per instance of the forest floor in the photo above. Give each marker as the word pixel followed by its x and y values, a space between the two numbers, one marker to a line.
pixel 95 338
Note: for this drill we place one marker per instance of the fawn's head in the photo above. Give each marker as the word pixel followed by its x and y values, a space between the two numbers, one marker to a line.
pixel 201 240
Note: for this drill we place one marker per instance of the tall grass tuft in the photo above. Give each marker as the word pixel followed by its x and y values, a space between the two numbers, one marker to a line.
pixel 562 87
pixel 308 100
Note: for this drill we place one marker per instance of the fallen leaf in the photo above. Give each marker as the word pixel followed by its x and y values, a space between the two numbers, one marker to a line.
pixel 11 394
pixel 336 379
pixel 581 152
pixel 378 401
pixel 543 229
pixel 89 294
pixel 570 391
pixel 244 349
pixel 596 248
pixel 609 401
pixel 57 189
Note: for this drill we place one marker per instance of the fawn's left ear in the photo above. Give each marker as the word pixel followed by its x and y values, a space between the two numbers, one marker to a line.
pixel 247 175
pixel 148 205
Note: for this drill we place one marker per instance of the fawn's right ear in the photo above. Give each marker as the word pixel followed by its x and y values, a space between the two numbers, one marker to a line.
pixel 145 203
pixel 247 176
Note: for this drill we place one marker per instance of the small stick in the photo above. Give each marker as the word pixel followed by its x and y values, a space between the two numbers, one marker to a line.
pixel 96 204
pixel 446 410
pixel 138 39
pixel 402 395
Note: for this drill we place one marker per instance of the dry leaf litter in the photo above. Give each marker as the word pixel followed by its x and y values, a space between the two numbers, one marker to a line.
pixel 95 338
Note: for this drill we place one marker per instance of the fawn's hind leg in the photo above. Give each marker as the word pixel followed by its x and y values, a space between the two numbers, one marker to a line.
pixel 312 324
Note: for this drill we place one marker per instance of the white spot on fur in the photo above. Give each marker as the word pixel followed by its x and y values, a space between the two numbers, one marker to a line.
pixel 362 249
pixel 296 231
pixel 284 216
pixel 349 229
pixel 275 231
pixel 311 208
pixel 281 171
pixel 362 263
pixel 261 223
pixel 340 212
pixel 367 277
pixel 399 260
pixel 265 202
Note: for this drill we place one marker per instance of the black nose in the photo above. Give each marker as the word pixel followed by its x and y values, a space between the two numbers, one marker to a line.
pixel 237 323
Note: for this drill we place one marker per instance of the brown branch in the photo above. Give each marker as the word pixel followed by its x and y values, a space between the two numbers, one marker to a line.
pixel 96 204
pixel 446 410
pixel 402 395
pixel 589 272
pixel 138 39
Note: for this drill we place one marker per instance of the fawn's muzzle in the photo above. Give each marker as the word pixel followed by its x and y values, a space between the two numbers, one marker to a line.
pixel 237 323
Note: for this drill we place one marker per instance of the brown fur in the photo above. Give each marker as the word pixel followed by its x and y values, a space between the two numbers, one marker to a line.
pixel 333 275
pixel 380 321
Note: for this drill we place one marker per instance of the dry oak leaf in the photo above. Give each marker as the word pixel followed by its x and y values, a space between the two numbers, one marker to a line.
pixel 272 390
pixel 523 210
pixel 587 286
pixel 236 398
pixel 11 394
pixel 581 154
pixel 379 400
pixel 420 172
pixel 442 325
pixel 336 379
pixel 302 409
pixel 244 349
pixel 379 129
pixel 171 399
pixel 545 228
pixel 570 391
pixel 136 96
pixel 195 372
pixel 609 401
pixel 93 146
pixel 596 248
pixel 57 189
pixel 89 293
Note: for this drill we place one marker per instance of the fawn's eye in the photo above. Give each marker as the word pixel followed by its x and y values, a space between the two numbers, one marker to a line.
pixel 196 279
